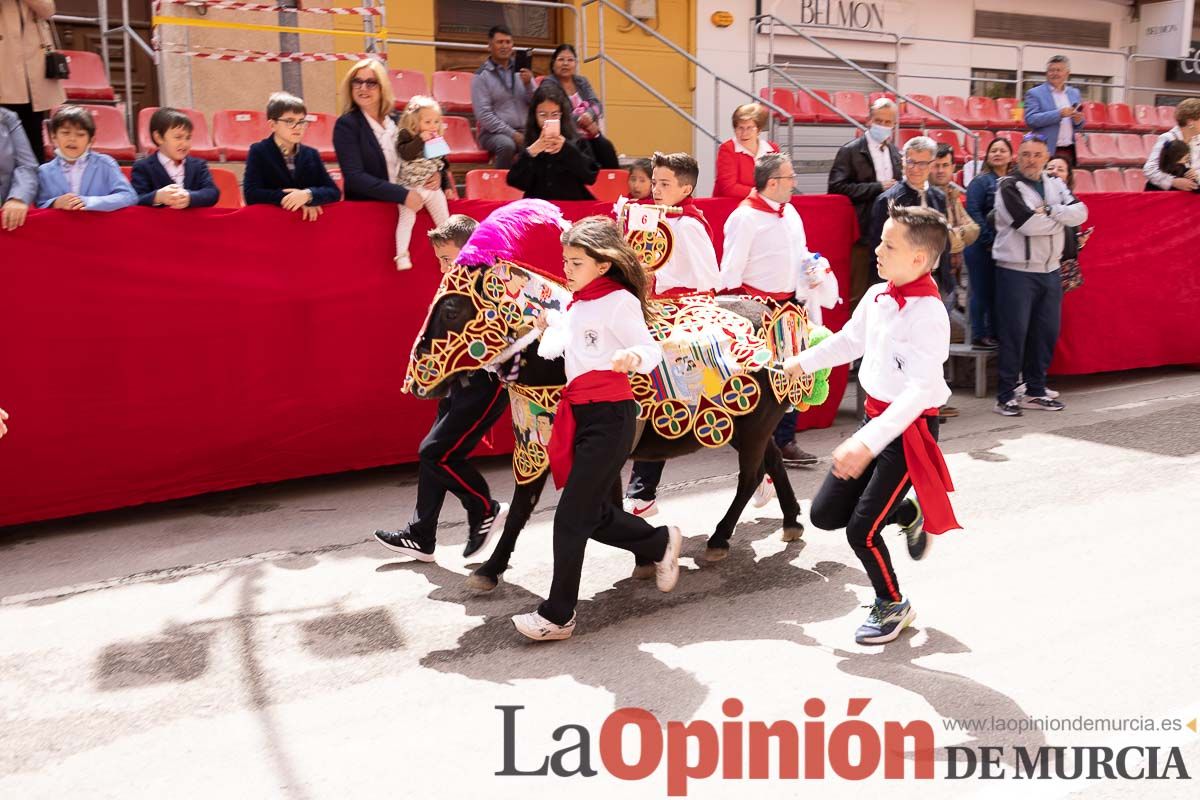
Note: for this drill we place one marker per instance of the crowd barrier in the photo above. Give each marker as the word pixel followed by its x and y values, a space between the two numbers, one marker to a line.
pixel 150 354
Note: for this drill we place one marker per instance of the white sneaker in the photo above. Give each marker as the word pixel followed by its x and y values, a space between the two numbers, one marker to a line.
pixel 1053 395
pixel 764 494
pixel 540 629
pixel 640 508
pixel 666 572
pixel 403 262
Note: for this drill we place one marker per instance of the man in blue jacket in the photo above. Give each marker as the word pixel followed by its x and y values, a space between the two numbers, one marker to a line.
pixel 1053 109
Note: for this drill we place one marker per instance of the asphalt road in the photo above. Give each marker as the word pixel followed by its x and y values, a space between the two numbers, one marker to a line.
pixel 259 644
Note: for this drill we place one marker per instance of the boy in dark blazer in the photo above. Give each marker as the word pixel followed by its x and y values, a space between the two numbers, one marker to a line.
pixel 283 172
pixel 171 177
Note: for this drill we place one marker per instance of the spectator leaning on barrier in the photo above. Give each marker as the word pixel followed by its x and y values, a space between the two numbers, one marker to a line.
pixel 1052 109
pixel 78 179
pixel 24 87
pixel 557 164
pixel 981 267
pixel 737 156
pixel 585 105
pixel 1187 129
pixel 18 172
pixel 500 95
pixel 364 138
pixel 862 170
pixel 170 177
pixel 281 171
pixel 1033 211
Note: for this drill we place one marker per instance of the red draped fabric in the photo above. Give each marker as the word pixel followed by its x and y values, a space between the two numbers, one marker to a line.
pixel 150 354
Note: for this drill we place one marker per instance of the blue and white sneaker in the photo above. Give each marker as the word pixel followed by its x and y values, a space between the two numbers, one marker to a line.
pixel 914 533
pixel 885 621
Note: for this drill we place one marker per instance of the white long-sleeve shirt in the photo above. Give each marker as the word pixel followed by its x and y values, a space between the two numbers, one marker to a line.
pixel 588 334
pixel 693 260
pixel 902 355
pixel 1151 169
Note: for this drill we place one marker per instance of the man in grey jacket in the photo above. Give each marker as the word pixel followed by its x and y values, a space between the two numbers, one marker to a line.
pixel 1032 212
pixel 500 94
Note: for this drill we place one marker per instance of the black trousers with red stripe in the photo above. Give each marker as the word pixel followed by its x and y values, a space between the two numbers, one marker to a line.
pixel 463 417
pixel 864 505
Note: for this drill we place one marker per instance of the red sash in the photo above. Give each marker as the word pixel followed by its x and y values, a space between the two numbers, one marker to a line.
pixel 754 200
pixel 680 291
pixel 921 287
pixel 689 209
pixel 597 386
pixel 926 467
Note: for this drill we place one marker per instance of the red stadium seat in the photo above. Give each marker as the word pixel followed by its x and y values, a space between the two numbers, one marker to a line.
pixel 1131 150
pixel 202 146
pixel 956 108
pixel 1084 181
pixel 950 138
pixel 1103 147
pixel 227 184
pixel 234 130
pixel 610 184
pixel 907 118
pixel 1014 139
pixel 984 109
pixel 853 103
pixel 1120 117
pixel 1145 118
pixel 786 99
pixel 824 115
pixel 319 134
pixel 1009 109
pixel 407 83
pixel 906 135
pixel 452 90
pixel 1135 180
pixel 1109 179
pixel 985 138
pixel 1096 116
pixel 463 147
pixel 88 80
pixel 1166 118
pixel 111 137
pixel 1148 142
pixel 928 120
pixel 335 175
pixel 1083 153
pixel 127 172
pixel 491 184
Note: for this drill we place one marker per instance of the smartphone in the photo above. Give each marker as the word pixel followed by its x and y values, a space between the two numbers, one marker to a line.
pixel 552 127
pixel 523 59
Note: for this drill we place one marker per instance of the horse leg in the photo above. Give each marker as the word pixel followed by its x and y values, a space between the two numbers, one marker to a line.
pixel 752 443
pixel 793 529
pixel 524 501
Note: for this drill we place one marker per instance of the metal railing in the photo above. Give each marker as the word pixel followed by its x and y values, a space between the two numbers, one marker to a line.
pixel 606 60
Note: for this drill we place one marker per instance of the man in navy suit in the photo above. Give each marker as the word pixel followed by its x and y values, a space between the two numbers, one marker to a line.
pixel 171 177
pixel 283 172
pixel 1052 109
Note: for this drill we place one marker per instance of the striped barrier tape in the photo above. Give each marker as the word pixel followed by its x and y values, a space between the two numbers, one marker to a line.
pixel 236 5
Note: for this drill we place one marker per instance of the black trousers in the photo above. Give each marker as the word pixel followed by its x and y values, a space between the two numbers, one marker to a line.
pixel 463 417
pixel 644 479
pixel 31 122
pixel 1028 316
pixel 864 505
pixel 603 439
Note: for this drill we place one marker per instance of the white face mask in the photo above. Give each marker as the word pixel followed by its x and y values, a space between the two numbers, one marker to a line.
pixel 879 133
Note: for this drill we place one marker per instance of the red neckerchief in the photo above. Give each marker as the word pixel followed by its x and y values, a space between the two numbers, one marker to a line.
pixel 598 288
pixel 921 287
pixel 754 200
pixel 926 468
pixel 689 209
pixel 597 386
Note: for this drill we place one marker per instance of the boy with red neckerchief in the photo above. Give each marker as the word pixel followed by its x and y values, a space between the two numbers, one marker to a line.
pixel 901 331
pixel 690 268
pixel 601 337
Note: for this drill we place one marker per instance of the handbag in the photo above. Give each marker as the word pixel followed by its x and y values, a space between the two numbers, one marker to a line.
pixel 58 66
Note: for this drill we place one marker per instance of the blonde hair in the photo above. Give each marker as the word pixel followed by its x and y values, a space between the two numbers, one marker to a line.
pixel 412 112
pixel 386 98
pixel 601 239
pixel 754 112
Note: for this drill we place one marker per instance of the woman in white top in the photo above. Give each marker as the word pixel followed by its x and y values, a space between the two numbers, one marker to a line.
pixel 602 336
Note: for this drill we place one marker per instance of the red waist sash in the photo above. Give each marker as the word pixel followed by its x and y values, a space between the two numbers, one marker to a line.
pixel 597 386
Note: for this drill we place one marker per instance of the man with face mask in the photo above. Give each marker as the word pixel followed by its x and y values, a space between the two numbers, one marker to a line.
pixel 862 170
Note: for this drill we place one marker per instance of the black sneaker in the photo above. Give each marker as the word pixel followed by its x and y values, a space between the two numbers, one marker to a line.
pixel 1010 409
pixel 481 534
pixel 406 544
pixel 1042 403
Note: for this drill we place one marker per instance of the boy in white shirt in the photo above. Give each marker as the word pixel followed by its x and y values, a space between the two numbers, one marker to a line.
pixel 902 333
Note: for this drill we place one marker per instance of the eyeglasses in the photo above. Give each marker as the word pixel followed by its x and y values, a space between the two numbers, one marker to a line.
pixel 921 164
pixel 791 177
pixel 292 123
pixel 367 83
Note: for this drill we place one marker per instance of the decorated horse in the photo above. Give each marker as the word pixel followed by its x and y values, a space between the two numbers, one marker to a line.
pixel 719 381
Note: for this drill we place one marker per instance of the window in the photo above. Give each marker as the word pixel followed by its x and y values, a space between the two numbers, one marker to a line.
pixel 1001 83
pixel 469 21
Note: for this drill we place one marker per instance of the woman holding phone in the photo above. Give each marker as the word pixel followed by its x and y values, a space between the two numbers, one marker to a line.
pixel 556 163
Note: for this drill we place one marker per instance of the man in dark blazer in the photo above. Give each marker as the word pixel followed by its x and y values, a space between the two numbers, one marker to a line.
pixel 862 170
pixel 281 171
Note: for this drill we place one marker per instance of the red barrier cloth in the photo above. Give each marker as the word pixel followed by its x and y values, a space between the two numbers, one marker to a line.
pixel 149 354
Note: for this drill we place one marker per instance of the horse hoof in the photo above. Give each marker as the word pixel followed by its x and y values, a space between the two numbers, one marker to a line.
pixel 793 533
pixel 716 553
pixel 643 571
pixel 481 583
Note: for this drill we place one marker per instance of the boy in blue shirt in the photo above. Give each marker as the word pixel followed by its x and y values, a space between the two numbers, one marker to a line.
pixel 78 179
